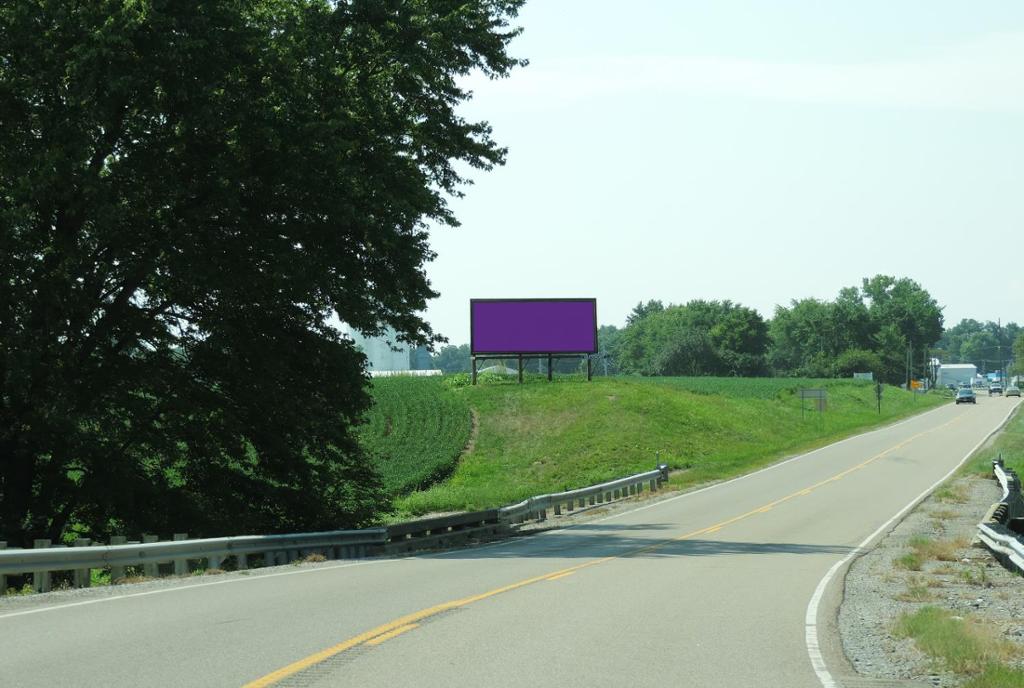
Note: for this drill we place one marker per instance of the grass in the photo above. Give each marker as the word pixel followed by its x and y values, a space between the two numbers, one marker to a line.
pixel 544 437
pixel 918 590
pixel 912 561
pixel 962 645
pixel 951 494
pixel 924 549
pixel 997 676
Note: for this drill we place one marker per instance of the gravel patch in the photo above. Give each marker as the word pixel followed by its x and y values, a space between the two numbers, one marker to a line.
pixel 878 589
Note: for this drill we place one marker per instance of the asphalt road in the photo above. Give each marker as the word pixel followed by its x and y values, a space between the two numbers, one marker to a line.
pixel 711 588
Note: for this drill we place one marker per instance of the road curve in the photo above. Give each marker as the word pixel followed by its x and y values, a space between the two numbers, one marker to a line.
pixel 704 589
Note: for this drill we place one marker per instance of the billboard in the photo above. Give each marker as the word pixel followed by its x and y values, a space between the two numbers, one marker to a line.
pixel 533 326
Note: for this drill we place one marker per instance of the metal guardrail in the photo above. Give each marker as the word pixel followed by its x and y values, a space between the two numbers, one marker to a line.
pixel 149 554
pixel 535 508
pixel 276 549
pixel 997 531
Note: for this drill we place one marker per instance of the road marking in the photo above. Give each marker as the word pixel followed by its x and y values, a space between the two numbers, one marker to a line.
pixel 415 617
pixel 391 634
pixel 811 616
pixel 561 575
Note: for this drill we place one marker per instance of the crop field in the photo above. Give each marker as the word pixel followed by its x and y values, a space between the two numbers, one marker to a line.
pixel 415 431
pixel 541 437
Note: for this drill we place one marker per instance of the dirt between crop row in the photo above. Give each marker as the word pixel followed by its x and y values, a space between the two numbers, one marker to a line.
pixel 881 586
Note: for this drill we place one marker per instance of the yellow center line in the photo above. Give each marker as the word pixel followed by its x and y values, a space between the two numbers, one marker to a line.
pixel 410 621
pixel 561 575
pixel 391 634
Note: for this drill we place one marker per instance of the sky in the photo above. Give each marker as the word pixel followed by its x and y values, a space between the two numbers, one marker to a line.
pixel 756 151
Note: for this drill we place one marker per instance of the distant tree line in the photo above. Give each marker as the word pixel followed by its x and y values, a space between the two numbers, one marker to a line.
pixel 987 345
pixel 887 326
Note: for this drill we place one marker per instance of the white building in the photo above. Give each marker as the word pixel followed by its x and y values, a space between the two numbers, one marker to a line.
pixel 955 373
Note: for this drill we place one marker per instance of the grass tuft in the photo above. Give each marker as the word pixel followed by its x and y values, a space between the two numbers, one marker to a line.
pixel 962 645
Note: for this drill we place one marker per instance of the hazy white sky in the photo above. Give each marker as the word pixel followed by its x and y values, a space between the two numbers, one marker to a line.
pixel 757 151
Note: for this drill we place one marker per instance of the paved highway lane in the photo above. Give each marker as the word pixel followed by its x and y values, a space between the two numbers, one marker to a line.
pixel 705 589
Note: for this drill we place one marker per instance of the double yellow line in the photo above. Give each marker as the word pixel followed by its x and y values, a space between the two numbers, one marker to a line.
pixel 406 623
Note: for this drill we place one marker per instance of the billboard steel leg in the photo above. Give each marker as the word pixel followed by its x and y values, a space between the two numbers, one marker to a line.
pixel 473 360
pixel 520 369
pixel 590 373
pixel 549 367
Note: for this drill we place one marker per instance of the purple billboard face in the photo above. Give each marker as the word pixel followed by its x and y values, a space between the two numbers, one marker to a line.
pixel 533 326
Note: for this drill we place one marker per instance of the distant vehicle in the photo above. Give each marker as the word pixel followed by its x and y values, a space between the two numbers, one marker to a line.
pixel 1012 391
pixel 966 396
pixel 995 388
pixel 979 385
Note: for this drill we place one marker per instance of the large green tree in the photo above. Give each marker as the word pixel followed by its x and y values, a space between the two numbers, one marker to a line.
pixel 190 190
pixel 698 338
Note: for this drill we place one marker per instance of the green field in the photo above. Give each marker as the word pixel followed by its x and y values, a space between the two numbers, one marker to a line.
pixel 415 431
pixel 540 437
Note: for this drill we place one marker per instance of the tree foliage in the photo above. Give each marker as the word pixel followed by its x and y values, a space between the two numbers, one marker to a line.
pixel 885 317
pixel 189 191
pixel 698 338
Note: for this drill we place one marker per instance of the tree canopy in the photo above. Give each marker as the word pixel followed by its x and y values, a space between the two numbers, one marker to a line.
pixel 874 325
pixel 190 192
pixel 698 338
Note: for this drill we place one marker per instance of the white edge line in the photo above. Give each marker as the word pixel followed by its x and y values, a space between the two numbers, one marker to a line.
pixel 238 579
pixel 811 617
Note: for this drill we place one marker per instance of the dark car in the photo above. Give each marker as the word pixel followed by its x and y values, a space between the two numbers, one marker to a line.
pixel 995 388
pixel 966 396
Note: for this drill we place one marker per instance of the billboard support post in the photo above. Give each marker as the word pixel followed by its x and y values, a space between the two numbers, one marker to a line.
pixel 549 367
pixel 520 369
pixel 590 373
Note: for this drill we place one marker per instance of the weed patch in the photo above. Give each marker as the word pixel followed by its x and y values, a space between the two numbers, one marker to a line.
pixel 961 645
pixel 951 494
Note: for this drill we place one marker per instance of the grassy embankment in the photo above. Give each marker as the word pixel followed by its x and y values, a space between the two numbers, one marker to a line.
pixel 1009 443
pixel 539 437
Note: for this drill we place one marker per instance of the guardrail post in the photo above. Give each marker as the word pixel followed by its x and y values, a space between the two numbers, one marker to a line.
pixel 570 505
pixel 214 561
pixel 542 514
pixel 3 578
pixel 83 577
pixel 242 560
pixel 592 500
pixel 117 572
pixel 149 569
pixel 654 484
pixel 41 579
pixel 558 508
pixel 180 565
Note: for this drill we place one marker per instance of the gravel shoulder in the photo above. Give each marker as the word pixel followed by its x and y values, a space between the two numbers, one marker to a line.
pixel 971 584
